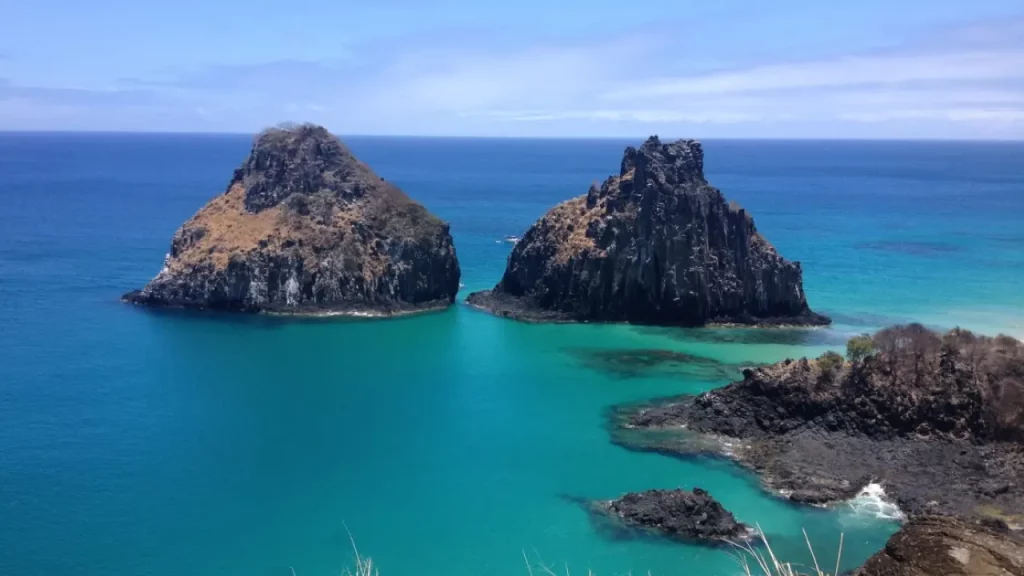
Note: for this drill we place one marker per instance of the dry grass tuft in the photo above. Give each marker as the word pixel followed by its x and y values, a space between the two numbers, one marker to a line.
pixel 228 229
pixel 364 565
pixel 752 561
pixel 767 564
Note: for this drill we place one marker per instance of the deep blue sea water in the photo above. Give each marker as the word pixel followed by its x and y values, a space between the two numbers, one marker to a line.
pixel 146 443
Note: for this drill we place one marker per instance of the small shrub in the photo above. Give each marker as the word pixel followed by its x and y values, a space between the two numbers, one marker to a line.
pixel 860 347
pixel 830 363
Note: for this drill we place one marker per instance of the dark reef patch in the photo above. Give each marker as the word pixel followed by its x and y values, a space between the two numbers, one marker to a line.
pixel 645 362
pixel 730 335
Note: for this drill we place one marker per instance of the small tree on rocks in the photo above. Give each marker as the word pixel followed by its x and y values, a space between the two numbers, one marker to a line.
pixel 859 347
pixel 830 363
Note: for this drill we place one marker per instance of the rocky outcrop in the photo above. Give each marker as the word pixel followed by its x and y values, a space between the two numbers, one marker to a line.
pixel 935 546
pixel 936 419
pixel 654 245
pixel 305 227
pixel 678 514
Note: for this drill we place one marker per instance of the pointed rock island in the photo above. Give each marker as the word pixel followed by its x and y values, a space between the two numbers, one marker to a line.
pixel 306 228
pixel 654 245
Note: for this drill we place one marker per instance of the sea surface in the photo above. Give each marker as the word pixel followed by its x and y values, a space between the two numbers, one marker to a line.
pixel 135 442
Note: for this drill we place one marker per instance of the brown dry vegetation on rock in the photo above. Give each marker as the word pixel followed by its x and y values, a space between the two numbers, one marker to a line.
pixel 304 226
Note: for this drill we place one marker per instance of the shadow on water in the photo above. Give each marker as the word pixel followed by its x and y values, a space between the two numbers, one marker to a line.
pixel 781 336
pixel 627 363
pixel 605 526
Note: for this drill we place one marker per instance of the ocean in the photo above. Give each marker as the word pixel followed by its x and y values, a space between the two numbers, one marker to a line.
pixel 165 443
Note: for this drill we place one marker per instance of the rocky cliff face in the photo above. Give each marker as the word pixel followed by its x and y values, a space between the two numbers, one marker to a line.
pixel 654 245
pixel 305 227
pixel 948 547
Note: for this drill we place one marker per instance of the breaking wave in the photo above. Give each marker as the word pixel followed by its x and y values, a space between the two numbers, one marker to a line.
pixel 872 501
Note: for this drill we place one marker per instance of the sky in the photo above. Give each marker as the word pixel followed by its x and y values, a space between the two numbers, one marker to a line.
pixel 946 69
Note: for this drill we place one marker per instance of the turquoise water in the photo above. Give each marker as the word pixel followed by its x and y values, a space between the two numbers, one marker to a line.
pixel 138 442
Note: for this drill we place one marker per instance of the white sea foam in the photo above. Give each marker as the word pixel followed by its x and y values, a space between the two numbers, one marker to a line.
pixel 872 500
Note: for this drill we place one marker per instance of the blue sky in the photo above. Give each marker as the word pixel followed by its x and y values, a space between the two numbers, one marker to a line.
pixel 728 68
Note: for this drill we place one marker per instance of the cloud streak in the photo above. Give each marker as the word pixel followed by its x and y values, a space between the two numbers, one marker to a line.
pixel 851 71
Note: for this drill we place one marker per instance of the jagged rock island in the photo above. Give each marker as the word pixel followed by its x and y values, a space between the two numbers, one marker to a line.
pixel 304 227
pixel 678 514
pixel 654 245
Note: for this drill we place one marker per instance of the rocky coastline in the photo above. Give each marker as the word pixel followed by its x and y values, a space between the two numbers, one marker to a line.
pixel 656 244
pixel 305 228
pixel 935 419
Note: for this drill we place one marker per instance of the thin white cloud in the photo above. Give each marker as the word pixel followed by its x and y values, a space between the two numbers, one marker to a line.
pixel 948 114
pixel 840 72
pixel 709 116
pixel 928 96
pixel 462 82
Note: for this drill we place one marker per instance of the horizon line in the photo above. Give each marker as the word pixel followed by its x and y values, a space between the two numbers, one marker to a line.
pixel 499 137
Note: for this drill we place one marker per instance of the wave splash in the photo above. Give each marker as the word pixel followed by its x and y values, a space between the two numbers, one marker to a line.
pixel 872 501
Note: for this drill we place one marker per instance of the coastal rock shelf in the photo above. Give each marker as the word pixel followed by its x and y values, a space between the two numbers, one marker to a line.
pixel 654 245
pixel 937 420
pixel 306 228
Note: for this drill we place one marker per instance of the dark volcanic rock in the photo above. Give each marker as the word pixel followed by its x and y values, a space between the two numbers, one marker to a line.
pixel 654 245
pixel 956 386
pixel 933 546
pixel 305 227
pixel 678 514
pixel 938 420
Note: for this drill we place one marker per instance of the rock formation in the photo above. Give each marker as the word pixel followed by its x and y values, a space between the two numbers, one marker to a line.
pixel 305 227
pixel 935 546
pixel 938 420
pixel 677 514
pixel 654 245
